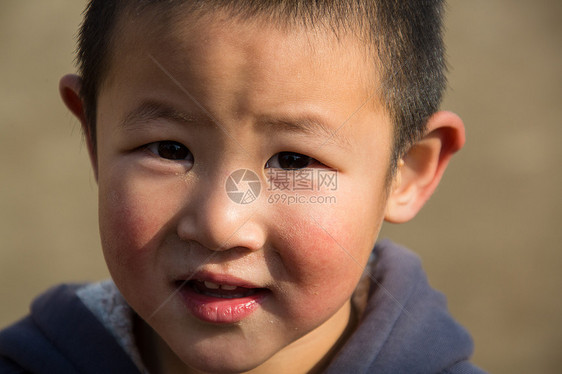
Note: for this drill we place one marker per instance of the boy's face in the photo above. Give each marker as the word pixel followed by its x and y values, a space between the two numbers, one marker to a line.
pixel 183 108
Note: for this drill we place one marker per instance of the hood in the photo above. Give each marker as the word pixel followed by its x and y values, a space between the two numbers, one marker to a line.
pixel 61 336
pixel 406 327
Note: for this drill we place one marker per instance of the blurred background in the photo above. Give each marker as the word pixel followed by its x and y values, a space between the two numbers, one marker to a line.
pixel 490 239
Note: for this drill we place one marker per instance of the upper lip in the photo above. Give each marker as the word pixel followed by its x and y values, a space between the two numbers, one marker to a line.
pixel 218 278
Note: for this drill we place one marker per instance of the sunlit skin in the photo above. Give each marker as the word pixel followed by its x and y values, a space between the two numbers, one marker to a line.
pixel 236 94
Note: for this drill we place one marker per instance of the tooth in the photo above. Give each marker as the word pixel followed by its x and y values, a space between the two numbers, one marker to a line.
pixel 228 288
pixel 211 285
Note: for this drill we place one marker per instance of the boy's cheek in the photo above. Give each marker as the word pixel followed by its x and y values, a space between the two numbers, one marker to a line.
pixel 129 232
pixel 322 271
pixel 131 219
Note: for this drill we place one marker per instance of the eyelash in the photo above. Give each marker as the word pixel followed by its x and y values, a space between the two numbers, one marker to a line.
pixel 305 161
pixel 157 148
pixel 292 160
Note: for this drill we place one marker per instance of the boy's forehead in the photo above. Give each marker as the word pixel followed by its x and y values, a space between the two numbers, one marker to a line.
pixel 182 31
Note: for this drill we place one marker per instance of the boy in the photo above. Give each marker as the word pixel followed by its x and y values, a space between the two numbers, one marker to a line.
pixel 197 114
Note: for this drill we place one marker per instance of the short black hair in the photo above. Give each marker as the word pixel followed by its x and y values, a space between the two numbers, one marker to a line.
pixel 404 35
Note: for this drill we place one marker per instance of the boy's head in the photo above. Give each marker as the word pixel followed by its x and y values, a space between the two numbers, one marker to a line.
pixel 178 95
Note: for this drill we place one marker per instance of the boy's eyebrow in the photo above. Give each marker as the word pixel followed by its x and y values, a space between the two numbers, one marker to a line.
pixel 152 110
pixel 309 126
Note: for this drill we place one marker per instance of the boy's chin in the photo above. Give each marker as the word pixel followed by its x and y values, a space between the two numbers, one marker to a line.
pixel 233 353
pixel 222 361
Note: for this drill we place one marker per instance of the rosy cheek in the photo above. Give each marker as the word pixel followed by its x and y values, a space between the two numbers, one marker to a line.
pixel 129 225
pixel 317 257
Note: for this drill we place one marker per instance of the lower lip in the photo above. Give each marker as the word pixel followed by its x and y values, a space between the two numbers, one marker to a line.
pixel 218 310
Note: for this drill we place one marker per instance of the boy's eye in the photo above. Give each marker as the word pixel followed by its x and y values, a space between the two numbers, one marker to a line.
pixel 289 161
pixel 171 150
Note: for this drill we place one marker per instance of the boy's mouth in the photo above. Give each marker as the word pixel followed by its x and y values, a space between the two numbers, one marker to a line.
pixel 220 302
pixel 223 291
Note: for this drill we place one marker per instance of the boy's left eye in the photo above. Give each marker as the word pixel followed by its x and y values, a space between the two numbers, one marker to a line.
pixel 289 161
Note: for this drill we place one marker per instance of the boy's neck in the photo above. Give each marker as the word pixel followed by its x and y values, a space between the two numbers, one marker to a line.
pixel 310 354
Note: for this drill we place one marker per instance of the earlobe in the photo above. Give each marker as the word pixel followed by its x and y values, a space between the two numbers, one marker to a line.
pixel 422 167
pixel 69 88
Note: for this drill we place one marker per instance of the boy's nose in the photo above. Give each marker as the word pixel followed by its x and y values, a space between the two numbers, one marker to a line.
pixel 219 223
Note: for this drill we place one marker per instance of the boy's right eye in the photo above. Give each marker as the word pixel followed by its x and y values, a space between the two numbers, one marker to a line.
pixel 171 150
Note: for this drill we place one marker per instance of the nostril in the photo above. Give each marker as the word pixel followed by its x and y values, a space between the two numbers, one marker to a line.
pixel 222 235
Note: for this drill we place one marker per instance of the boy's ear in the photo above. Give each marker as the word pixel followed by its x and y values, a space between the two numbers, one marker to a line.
pixel 420 170
pixel 69 88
